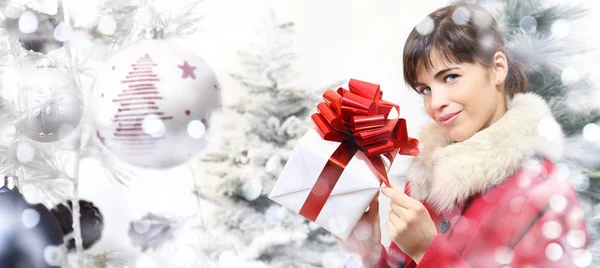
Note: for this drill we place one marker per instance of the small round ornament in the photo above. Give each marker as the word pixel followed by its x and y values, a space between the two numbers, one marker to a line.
pixel 156 104
pixel 90 220
pixel 35 30
pixel 30 236
pixel 54 102
pixel 50 35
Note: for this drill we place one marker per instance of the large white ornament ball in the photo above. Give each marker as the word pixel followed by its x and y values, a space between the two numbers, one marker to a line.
pixel 54 103
pixel 156 104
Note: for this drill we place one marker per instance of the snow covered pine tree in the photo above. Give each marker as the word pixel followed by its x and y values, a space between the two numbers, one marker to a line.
pixel 259 133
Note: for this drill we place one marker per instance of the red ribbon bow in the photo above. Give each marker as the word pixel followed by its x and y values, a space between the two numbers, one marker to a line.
pixel 358 118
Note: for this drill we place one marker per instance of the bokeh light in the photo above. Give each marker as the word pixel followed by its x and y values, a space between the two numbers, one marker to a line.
pixel 558 203
pixel 552 229
pixel 426 26
pixel 252 189
pixel 569 76
pixel 591 132
pixel 554 252
pixel 196 129
pixel 560 28
pixel 30 218
pixel 461 16
pixel 107 25
pixel 25 152
pixel 153 125
pixel 28 22
pixel 63 32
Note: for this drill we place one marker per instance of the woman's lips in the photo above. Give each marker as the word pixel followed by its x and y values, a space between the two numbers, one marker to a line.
pixel 449 118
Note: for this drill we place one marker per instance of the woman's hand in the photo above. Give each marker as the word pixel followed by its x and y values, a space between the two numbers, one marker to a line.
pixel 365 238
pixel 409 225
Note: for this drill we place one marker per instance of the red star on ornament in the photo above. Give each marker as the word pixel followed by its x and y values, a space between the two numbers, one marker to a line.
pixel 188 70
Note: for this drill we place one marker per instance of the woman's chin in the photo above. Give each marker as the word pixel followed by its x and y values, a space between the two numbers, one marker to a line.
pixel 458 134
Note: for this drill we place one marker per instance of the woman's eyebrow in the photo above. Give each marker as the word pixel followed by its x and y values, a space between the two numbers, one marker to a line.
pixel 444 71
pixel 441 72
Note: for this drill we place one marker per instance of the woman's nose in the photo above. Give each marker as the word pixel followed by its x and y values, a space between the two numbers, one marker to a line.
pixel 439 98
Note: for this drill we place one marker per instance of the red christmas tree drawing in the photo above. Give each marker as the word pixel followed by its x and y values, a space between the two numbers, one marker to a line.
pixel 137 101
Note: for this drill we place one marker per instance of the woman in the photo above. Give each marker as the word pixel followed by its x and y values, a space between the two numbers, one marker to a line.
pixel 483 192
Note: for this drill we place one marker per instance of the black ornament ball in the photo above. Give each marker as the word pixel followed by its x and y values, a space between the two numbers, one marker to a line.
pixel 42 39
pixel 30 235
pixel 91 221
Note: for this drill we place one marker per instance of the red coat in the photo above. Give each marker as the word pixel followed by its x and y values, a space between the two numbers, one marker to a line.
pixel 532 219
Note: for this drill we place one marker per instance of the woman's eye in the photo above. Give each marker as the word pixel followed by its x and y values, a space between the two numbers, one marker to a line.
pixel 451 78
pixel 425 91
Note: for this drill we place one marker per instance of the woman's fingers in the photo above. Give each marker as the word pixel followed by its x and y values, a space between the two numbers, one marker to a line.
pixel 396 220
pixel 399 197
pixel 399 210
pixel 395 225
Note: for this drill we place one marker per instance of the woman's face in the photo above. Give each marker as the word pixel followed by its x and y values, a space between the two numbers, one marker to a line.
pixel 463 98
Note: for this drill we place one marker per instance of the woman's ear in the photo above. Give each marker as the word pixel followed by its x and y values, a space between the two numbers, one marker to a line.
pixel 500 67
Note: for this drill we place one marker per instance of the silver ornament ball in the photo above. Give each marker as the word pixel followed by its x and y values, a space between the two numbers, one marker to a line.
pixel 54 103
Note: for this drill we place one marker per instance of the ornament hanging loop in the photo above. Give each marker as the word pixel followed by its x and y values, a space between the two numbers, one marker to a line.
pixel 152 33
pixel 11 182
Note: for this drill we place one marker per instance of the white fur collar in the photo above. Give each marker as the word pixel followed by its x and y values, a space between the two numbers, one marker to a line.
pixel 446 174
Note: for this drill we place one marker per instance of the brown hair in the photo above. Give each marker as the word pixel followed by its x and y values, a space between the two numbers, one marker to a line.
pixel 461 34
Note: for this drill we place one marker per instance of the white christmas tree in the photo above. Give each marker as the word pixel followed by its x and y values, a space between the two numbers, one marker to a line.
pixel 50 172
pixel 262 130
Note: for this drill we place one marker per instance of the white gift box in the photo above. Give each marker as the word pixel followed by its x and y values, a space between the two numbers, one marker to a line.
pixel 351 195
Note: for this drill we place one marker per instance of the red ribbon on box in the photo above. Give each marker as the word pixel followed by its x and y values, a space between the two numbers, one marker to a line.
pixel 358 118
